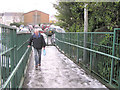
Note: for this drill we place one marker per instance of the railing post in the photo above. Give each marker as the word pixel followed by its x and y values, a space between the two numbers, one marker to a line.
pixel 0 55
pixel 63 44
pixel 56 42
pixel 119 77
pixel 12 56
pixel 70 45
pixel 15 52
pixel 85 51
pixel 113 52
pixel 3 59
pixel 0 71
pixel 91 52
pixel 77 48
pixel 47 39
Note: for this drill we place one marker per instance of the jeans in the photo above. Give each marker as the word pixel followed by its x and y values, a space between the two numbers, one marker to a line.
pixel 37 56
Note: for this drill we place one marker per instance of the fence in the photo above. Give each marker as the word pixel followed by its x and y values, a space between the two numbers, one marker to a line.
pixel 14 55
pixel 97 52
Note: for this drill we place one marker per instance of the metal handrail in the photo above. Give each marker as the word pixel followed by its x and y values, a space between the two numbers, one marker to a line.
pixel 15 70
pixel 89 49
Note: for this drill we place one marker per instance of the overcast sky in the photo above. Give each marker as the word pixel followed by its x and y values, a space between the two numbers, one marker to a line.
pixel 27 5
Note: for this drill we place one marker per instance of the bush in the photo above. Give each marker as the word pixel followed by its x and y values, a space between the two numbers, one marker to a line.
pixel 16 24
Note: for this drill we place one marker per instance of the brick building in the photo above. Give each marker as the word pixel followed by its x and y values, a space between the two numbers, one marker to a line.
pixel 35 17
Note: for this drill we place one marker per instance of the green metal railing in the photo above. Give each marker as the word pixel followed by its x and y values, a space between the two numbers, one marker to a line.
pixel 14 55
pixel 97 52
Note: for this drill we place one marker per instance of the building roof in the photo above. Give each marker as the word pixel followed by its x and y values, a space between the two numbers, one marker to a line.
pixel 34 11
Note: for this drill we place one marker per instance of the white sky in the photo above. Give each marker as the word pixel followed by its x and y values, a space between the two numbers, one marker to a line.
pixel 28 5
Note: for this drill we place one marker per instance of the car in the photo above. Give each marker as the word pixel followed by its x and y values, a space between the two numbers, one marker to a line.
pixel 59 29
pixel 17 29
pixel 30 27
pixel 24 29
pixel 21 26
pixel 49 31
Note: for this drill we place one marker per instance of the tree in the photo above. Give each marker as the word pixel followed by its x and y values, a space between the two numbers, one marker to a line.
pixel 69 15
pixel 100 14
pixel 103 14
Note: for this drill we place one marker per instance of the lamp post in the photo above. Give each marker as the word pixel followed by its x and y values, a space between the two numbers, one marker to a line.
pixel 85 30
pixel 85 18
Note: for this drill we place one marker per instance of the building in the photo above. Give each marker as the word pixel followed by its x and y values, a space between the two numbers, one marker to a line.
pixel 10 17
pixel 35 17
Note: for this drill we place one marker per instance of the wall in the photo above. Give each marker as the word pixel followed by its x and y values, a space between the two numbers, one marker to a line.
pixel 36 17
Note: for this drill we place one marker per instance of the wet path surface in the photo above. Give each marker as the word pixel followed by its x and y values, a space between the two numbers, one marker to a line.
pixel 57 71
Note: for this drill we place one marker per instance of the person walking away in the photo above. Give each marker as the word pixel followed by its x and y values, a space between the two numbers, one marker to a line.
pixel 38 43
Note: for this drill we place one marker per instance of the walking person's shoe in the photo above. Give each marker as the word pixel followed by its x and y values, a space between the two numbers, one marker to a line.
pixel 36 67
pixel 39 64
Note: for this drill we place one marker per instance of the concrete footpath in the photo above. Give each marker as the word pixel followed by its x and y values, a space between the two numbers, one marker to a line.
pixel 57 71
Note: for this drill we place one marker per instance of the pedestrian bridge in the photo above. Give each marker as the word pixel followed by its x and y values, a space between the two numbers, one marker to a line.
pixel 78 60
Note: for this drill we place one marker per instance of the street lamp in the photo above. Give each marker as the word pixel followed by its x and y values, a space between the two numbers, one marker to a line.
pixel 85 30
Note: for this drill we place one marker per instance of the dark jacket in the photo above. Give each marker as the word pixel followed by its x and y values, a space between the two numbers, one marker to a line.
pixel 38 41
